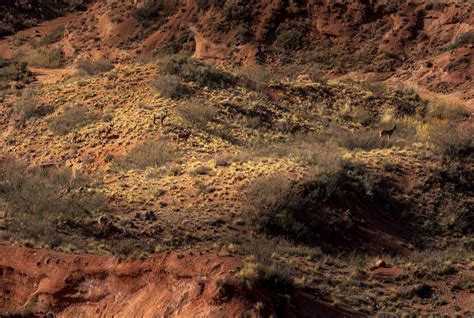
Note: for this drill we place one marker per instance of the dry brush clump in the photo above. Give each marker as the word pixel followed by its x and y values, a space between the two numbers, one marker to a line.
pixel 93 67
pixel 197 113
pixel 452 143
pixel 153 153
pixel 13 71
pixel 42 57
pixel 28 107
pixel 39 199
pixel 305 211
pixel 190 70
pixel 71 119
pixel 170 86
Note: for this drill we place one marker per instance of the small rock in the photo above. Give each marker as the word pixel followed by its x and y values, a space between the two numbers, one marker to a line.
pixel 380 263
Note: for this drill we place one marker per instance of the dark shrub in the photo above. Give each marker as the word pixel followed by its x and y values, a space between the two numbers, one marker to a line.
pixel 203 75
pixel 317 207
pixel 28 107
pixel 154 13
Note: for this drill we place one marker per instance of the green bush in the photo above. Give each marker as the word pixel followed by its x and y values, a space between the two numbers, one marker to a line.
pixel 88 67
pixel 203 75
pixel 462 40
pixel 71 119
pixel 292 38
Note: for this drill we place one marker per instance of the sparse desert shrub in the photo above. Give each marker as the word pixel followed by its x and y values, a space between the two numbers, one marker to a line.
pixel 13 71
pixel 154 13
pixel 202 170
pixel 277 277
pixel 261 270
pixel 207 4
pixel 307 211
pixel 224 160
pixel 462 40
pixel 203 75
pixel 170 86
pixel 38 198
pixel 27 107
pixel 197 113
pixel 446 111
pixel 53 37
pixel 407 91
pixel 93 67
pixel 72 118
pixel 451 142
pixel 292 38
pixel 365 140
pixel 43 58
pixel 149 154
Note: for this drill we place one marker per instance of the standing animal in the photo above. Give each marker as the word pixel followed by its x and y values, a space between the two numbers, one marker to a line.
pixel 183 136
pixel 387 132
pixel 105 130
pixel 160 117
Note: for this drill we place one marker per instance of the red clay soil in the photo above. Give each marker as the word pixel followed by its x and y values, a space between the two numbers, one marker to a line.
pixel 173 284
pixel 188 284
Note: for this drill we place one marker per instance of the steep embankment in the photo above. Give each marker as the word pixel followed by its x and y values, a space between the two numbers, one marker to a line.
pixel 183 285
pixel 428 44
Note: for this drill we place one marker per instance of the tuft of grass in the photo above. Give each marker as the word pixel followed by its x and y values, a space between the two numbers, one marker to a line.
pixel 446 111
pixel 365 140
